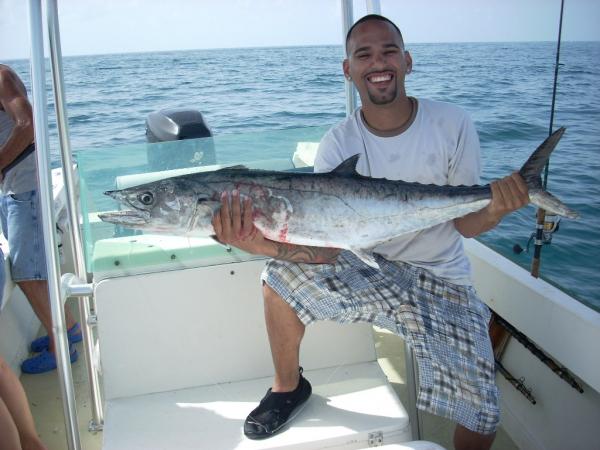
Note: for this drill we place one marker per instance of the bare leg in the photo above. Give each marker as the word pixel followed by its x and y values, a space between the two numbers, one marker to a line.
pixel 465 439
pixel 36 292
pixel 8 430
pixel 285 334
pixel 13 403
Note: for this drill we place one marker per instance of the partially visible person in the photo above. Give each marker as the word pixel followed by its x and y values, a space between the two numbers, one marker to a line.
pixel 17 429
pixel 20 216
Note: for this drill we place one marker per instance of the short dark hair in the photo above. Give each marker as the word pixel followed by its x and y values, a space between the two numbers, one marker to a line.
pixel 372 17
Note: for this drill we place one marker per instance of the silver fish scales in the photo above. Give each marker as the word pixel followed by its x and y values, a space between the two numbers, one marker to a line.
pixel 340 209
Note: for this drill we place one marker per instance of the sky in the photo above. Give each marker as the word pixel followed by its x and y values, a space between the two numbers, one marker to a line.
pixel 120 26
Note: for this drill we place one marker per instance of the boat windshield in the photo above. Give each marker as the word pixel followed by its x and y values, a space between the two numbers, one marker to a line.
pixel 112 250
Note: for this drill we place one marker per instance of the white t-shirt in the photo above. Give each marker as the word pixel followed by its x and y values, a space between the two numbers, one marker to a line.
pixel 441 146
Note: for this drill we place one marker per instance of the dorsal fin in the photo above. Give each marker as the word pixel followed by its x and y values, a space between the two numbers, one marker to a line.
pixel 348 167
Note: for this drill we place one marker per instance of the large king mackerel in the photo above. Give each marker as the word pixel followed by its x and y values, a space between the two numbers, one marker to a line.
pixel 340 209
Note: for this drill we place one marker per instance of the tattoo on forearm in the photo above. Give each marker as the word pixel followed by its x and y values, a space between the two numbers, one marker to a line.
pixel 306 254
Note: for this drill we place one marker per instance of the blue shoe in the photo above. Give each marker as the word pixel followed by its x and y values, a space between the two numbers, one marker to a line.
pixel 44 362
pixel 43 342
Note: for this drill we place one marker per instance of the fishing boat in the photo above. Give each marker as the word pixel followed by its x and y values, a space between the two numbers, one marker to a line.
pixel 175 349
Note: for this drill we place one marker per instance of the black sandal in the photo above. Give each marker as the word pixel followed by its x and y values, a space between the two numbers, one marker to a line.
pixel 275 410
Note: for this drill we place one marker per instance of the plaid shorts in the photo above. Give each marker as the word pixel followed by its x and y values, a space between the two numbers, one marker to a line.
pixel 445 324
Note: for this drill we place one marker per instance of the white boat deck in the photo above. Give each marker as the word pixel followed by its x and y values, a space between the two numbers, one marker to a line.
pixel 348 402
pixel 46 406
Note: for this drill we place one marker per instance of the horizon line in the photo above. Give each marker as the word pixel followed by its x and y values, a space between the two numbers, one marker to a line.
pixel 297 46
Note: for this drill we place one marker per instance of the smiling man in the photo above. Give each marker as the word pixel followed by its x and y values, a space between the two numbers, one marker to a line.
pixel 422 290
pixel 383 82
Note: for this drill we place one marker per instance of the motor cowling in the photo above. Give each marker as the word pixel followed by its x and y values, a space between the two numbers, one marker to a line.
pixel 168 125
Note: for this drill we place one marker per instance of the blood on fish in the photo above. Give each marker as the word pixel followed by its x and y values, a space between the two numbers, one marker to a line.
pixel 283 233
pixel 256 213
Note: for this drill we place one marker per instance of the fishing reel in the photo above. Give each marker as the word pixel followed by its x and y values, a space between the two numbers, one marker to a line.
pixel 549 227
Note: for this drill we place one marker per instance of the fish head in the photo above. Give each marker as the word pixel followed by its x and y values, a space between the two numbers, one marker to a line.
pixel 164 206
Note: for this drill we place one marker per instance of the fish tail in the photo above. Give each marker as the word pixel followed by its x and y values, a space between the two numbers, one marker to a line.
pixel 532 174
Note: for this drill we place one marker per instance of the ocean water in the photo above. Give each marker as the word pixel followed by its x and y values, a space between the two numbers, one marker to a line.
pixel 506 87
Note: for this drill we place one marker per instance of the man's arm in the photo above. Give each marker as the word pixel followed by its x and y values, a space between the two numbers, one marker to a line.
pixel 508 195
pixel 14 101
pixel 233 226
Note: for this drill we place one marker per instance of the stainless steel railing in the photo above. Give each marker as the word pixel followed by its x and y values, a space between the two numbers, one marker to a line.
pixel 86 318
pixel 347 21
pixel 38 84
pixel 69 285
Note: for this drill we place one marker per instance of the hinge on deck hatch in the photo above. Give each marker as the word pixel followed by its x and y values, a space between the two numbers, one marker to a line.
pixel 375 439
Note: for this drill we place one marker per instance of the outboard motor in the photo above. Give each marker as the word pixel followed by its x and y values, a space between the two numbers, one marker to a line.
pixel 168 125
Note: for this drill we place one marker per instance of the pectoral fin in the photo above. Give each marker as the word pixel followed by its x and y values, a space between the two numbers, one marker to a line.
pixel 200 223
pixel 225 246
pixel 211 205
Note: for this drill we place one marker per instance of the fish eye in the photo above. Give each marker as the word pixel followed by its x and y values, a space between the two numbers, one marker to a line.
pixel 146 198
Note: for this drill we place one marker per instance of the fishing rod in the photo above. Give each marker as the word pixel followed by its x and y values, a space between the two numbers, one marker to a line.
pixel 500 337
pixel 546 225
pixel 558 369
pixel 541 214
pixel 519 384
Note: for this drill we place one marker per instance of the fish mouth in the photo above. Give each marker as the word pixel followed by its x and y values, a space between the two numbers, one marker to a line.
pixel 116 194
pixel 126 217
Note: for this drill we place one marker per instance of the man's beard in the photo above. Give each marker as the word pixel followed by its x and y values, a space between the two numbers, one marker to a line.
pixel 377 99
